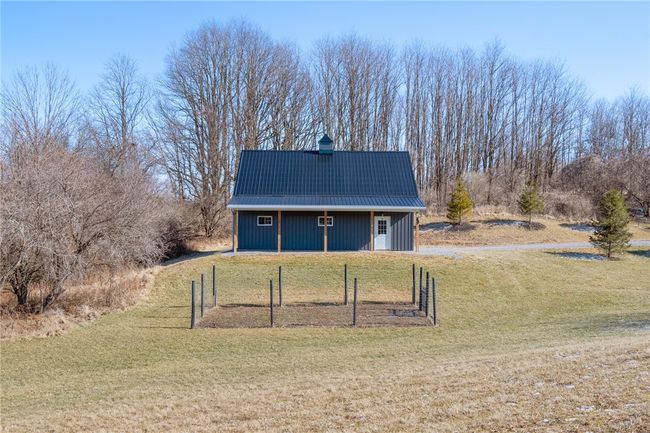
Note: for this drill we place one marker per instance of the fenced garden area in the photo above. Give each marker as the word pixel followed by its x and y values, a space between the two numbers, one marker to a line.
pixel 352 308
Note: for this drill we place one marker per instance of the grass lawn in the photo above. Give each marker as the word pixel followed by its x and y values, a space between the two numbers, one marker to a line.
pixel 528 341
pixel 511 229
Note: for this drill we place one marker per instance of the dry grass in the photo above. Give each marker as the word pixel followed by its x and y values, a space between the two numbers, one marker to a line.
pixel 504 228
pixel 79 304
pixel 528 341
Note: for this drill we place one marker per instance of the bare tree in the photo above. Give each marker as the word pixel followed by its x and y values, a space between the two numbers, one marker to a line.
pixel 40 109
pixel 116 121
pixel 357 85
pixel 227 89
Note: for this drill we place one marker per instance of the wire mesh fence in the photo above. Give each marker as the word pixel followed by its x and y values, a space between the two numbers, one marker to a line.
pixel 243 306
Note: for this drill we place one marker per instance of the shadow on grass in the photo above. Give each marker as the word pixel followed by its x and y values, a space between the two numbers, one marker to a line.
pixel 578 256
pixel 163 327
pixel 514 223
pixel 436 227
pixel 463 227
pixel 582 227
pixel 618 322
pixel 640 253
pixel 444 226
pixel 191 256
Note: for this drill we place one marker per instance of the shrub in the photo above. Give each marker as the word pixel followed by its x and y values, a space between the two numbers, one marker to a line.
pixel 460 204
pixel 611 234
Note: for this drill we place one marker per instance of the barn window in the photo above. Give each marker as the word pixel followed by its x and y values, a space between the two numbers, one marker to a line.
pixel 381 227
pixel 321 221
pixel 264 220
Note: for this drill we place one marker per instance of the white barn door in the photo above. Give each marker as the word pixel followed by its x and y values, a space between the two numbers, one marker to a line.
pixel 382 233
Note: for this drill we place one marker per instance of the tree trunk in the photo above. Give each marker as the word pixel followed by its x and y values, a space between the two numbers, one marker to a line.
pixel 21 292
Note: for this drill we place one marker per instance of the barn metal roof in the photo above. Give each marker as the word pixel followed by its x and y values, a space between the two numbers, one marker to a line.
pixel 343 180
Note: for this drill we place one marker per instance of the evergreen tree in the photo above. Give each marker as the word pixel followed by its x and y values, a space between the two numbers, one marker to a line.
pixel 530 202
pixel 460 204
pixel 611 234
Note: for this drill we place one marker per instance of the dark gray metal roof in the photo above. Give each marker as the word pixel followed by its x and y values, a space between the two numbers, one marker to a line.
pixel 306 179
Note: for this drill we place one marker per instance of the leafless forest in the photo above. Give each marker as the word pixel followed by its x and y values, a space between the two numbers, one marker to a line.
pixel 121 176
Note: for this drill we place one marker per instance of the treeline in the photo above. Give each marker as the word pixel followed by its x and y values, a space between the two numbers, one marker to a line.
pixel 122 175
pixel 457 112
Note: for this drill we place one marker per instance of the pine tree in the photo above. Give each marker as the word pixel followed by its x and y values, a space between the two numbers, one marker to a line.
pixel 611 234
pixel 530 202
pixel 460 204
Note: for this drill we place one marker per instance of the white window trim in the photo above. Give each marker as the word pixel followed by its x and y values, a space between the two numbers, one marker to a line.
pixel 321 221
pixel 265 216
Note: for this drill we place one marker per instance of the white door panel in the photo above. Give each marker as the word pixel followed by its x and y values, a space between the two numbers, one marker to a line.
pixel 382 233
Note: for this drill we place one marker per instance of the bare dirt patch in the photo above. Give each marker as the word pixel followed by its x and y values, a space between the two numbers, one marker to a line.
pixel 313 315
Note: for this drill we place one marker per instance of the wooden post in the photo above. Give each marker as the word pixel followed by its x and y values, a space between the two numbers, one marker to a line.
pixel 279 231
pixel 426 298
pixel 345 284
pixel 202 295
pixel 417 233
pixel 434 312
pixel 413 292
pixel 354 304
pixel 235 232
pixel 280 286
pixel 192 314
pixel 271 300
pixel 214 285
pixel 372 230
pixel 325 233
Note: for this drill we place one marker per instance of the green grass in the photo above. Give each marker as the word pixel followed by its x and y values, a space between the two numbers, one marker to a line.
pixel 489 305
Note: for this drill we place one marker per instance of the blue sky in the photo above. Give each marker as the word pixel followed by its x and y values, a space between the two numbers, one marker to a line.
pixel 606 44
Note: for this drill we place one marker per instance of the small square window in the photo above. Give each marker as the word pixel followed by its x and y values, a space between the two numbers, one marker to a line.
pixel 264 220
pixel 321 221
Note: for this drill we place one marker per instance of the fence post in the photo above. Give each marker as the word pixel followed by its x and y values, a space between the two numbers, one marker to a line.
pixel 202 295
pixel 280 286
pixel 345 284
pixel 193 314
pixel 426 298
pixel 420 286
pixel 271 300
pixel 354 304
pixel 434 311
pixel 413 294
pixel 214 285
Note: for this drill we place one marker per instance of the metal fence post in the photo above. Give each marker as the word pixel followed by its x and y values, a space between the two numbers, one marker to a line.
pixel 271 300
pixel 434 311
pixel 420 285
pixel 345 284
pixel 202 296
pixel 413 294
pixel 192 314
pixel 214 285
pixel 280 285
pixel 426 298
pixel 354 305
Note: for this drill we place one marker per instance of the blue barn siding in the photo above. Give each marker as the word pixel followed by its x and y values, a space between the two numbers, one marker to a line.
pixel 401 224
pixel 300 231
pixel 351 231
pixel 254 237
pixel 402 231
